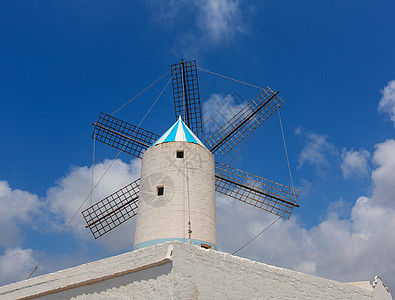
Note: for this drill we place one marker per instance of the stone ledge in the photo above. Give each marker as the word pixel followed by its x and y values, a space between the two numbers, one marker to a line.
pixel 89 273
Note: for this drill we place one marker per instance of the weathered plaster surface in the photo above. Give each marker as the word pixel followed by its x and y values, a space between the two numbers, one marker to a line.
pixel 189 194
pixel 175 270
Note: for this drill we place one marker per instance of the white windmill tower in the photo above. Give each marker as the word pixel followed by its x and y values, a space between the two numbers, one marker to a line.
pixel 177 191
pixel 175 197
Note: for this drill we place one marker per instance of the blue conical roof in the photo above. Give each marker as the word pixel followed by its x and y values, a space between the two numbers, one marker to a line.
pixel 179 132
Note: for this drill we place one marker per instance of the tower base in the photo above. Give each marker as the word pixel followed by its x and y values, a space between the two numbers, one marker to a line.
pixel 199 243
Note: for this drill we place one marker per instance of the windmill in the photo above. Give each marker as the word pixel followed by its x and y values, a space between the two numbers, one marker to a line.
pixel 175 197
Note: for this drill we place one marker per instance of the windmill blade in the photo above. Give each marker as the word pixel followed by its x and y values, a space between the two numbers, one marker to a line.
pixel 256 191
pixel 113 210
pixel 244 122
pixel 122 135
pixel 186 95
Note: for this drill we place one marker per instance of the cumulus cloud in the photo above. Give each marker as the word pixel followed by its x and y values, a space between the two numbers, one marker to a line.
pixel 16 264
pixel 355 163
pixel 213 22
pixel 218 109
pixel 345 246
pixel 387 102
pixel 384 175
pixel 17 208
pixel 51 213
pixel 317 150
pixel 71 190
pixel 65 198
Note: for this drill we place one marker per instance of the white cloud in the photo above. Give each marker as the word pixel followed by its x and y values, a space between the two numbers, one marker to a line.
pixel 219 20
pixel 214 22
pixel 341 247
pixel 218 109
pixel 17 208
pixel 387 102
pixel 317 150
pixel 50 214
pixel 355 163
pixel 384 175
pixel 16 264
pixel 64 199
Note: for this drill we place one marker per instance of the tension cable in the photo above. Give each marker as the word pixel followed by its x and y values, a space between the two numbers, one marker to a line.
pixel 290 175
pixel 256 236
pixel 142 92
pixel 223 76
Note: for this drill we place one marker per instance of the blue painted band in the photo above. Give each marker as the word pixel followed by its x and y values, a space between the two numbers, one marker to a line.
pixel 160 241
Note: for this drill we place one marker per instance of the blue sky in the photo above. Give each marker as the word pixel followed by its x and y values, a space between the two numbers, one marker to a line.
pixel 63 63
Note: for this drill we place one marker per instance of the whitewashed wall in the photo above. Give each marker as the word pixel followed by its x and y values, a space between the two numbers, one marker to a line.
pixel 176 270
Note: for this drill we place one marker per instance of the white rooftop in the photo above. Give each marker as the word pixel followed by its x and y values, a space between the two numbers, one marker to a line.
pixel 175 270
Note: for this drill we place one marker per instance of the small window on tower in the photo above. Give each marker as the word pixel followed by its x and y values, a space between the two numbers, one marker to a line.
pixel 160 190
pixel 180 154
